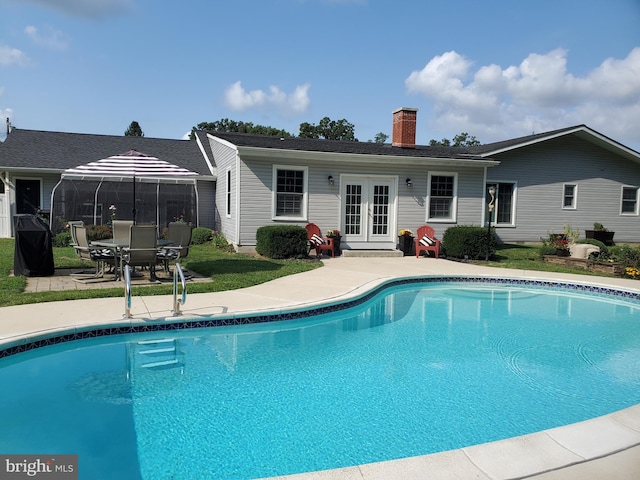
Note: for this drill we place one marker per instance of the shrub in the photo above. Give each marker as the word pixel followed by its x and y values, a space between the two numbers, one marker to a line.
pixel 62 239
pixel 628 256
pixel 468 241
pixel 98 232
pixel 281 241
pixel 219 241
pixel 546 250
pixel 201 235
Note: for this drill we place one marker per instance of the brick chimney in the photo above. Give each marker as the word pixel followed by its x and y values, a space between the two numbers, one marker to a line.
pixel 404 127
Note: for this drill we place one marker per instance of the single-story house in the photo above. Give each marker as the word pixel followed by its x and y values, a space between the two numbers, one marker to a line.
pixel 573 176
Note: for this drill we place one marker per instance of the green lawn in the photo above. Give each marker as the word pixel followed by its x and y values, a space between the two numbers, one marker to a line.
pixel 228 271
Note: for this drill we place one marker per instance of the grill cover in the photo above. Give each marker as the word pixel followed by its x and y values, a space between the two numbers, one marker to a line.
pixel 33 254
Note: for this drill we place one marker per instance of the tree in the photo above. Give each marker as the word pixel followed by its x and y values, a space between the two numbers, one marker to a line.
pixel 380 137
pixel 329 130
pixel 134 130
pixel 231 126
pixel 461 140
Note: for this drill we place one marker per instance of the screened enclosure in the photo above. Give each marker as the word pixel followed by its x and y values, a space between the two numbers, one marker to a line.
pixel 131 186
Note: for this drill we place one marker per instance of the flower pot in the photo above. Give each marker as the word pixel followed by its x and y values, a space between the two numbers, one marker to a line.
pixel 336 245
pixel 406 244
pixel 603 236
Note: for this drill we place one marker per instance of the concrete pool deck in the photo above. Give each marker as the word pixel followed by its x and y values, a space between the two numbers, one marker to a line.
pixel 604 447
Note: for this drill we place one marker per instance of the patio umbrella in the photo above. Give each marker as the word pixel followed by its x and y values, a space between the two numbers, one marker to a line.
pixel 131 165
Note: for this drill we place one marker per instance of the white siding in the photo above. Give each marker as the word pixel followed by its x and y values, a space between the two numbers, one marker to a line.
pixel 224 157
pixel 324 199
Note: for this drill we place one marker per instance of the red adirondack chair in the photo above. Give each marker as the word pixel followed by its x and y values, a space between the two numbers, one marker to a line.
pixel 426 241
pixel 317 241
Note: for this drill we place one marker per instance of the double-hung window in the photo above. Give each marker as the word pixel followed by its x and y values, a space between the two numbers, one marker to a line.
pixel 569 196
pixel 442 197
pixel 629 205
pixel 289 192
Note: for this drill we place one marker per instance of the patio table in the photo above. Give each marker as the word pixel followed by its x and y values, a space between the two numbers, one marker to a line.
pixel 116 246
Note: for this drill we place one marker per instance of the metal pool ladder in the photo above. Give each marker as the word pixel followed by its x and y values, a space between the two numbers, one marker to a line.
pixel 177 272
pixel 127 292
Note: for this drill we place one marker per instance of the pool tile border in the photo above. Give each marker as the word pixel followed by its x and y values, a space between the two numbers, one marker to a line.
pixel 159 325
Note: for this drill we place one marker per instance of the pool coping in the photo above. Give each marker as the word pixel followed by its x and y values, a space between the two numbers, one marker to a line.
pixel 536 453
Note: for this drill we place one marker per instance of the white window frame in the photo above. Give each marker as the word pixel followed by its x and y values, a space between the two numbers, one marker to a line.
pixel 227 197
pixel 454 200
pixel 305 193
pixel 622 188
pixel 574 205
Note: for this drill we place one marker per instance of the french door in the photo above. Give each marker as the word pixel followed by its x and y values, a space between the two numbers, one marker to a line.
pixel 368 212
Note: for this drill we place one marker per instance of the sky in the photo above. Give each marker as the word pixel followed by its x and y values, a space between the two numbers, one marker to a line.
pixel 495 69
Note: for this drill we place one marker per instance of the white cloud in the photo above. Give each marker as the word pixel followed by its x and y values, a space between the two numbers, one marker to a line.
pixel 493 103
pixel 51 38
pixel 96 9
pixel 239 99
pixel 12 56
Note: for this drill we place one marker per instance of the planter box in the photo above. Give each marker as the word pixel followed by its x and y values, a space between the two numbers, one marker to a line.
pixel 602 236
pixel 609 268
pixel 406 244
pixel 337 251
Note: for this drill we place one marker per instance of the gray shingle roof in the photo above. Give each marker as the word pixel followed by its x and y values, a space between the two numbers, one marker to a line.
pixel 333 146
pixel 59 151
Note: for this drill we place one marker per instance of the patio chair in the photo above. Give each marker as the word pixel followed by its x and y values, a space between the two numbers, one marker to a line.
pixel 120 230
pixel 179 234
pixel 72 230
pixel 101 256
pixel 142 250
pixel 426 241
pixel 317 242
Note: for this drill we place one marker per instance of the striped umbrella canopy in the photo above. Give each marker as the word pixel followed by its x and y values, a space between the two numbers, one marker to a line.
pixel 131 164
pixel 130 167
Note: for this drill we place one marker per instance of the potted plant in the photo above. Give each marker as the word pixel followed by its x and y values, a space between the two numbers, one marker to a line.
pixel 600 233
pixel 335 234
pixel 405 241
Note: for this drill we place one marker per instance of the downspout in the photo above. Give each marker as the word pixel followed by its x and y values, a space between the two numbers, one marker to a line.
pixel 195 189
pixel 238 206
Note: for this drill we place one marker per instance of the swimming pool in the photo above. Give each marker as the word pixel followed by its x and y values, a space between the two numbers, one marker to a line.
pixel 411 371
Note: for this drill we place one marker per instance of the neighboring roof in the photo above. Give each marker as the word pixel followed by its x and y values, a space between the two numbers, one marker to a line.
pixel 334 146
pixel 580 131
pixel 58 151
pixel 128 165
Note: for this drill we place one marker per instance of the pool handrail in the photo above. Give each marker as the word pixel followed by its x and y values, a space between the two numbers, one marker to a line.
pixel 127 292
pixel 177 272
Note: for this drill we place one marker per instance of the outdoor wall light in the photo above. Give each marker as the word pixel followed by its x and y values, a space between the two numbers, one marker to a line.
pixel 409 183
pixel 330 179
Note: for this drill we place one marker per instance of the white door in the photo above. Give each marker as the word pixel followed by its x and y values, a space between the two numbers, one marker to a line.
pixel 5 231
pixel 368 212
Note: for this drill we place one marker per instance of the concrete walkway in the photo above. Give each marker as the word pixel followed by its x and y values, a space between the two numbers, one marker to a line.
pixel 605 447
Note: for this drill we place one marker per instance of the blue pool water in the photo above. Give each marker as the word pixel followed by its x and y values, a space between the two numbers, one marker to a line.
pixel 416 370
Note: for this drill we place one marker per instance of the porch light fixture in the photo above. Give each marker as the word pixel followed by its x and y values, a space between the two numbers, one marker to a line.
pixel 409 183
pixel 330 179
pixel 492 192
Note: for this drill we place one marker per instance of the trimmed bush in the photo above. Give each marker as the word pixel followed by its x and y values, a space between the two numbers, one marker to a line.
pixel 281 241
pixel 467 241
pixel 201 235
pixel 62 239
